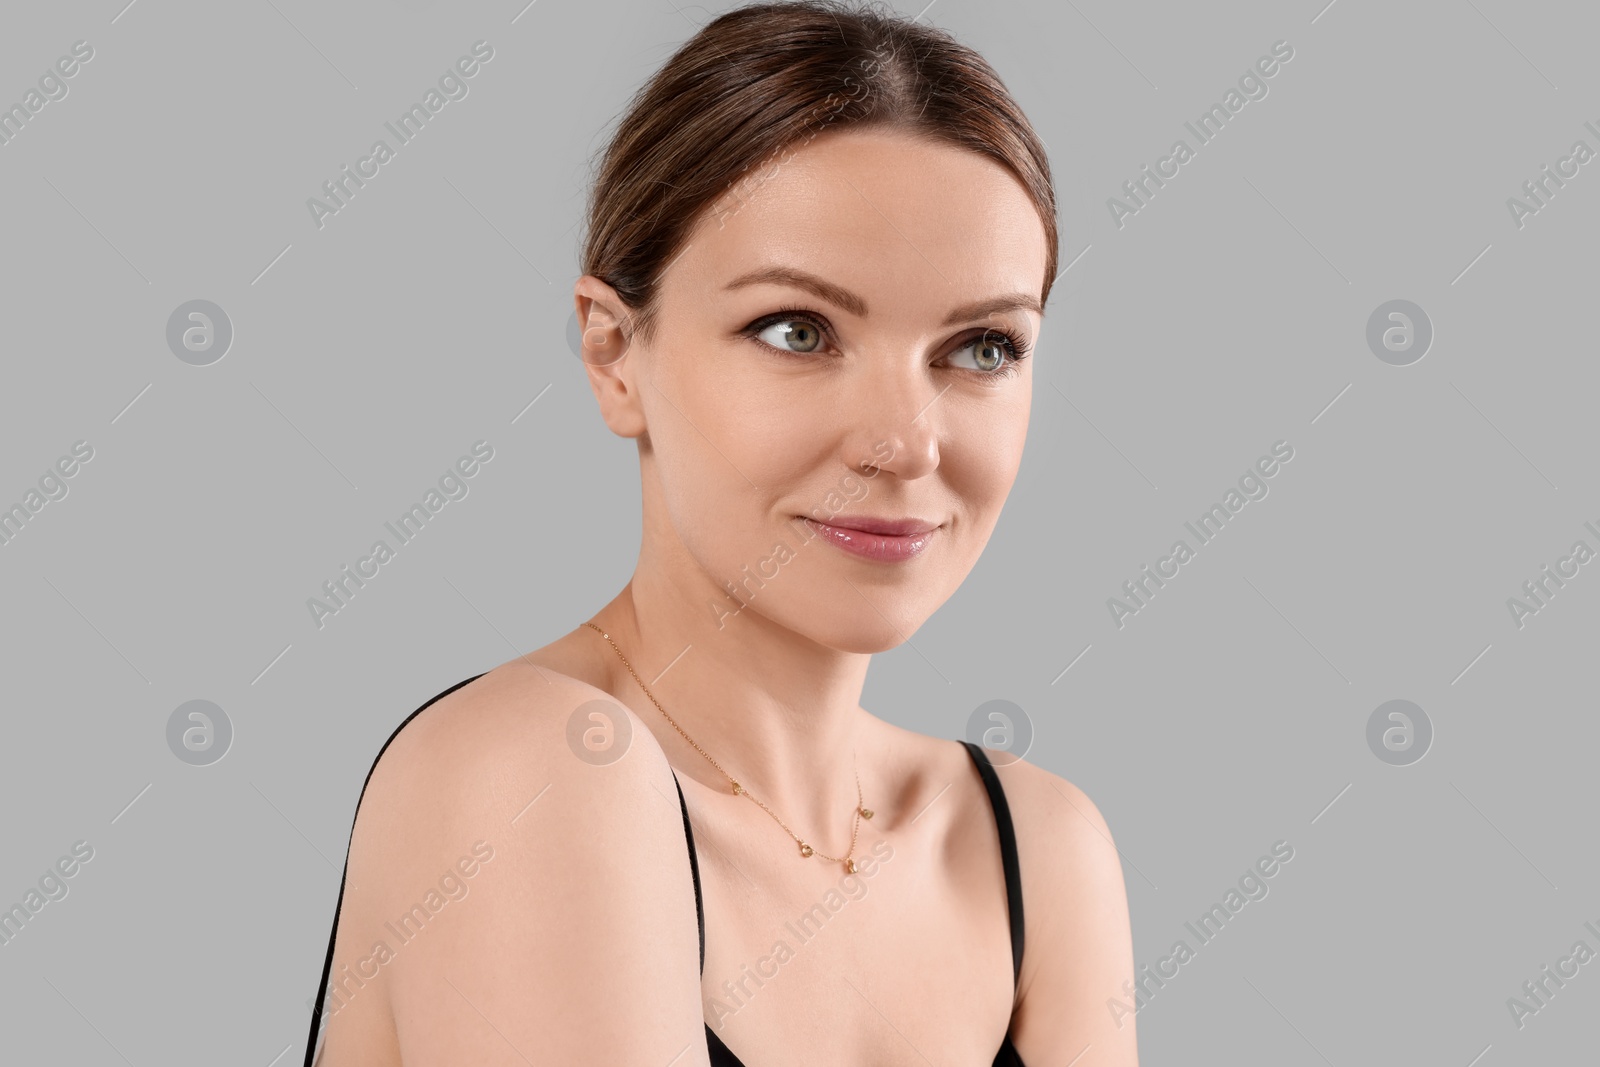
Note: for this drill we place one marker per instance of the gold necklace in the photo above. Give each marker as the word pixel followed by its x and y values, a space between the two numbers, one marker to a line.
pixel 806 851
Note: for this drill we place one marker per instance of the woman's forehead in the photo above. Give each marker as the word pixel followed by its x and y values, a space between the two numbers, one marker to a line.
pixel 873 210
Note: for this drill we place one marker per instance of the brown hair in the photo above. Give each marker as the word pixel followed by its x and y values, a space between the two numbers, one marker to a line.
pixel 758 79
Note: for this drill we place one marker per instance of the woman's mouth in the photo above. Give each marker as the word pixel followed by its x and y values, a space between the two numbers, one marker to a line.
pixel 882 539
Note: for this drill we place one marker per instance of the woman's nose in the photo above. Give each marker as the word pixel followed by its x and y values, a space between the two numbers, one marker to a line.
pixel 895 422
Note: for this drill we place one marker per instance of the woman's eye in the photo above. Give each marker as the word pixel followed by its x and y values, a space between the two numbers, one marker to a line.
pixel 991 351
pixel 792 335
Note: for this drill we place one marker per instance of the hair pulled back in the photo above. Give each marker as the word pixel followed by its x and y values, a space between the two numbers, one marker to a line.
pixel 703 132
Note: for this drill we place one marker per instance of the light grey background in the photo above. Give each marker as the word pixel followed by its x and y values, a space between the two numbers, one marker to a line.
pixel 1228 314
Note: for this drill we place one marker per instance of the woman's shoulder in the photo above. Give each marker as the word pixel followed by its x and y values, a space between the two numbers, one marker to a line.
pixel 1065 846
pixel 1053 819
pixel 516 747
pixel 1049 811
pixel 524 717
pixel 1062 839
pixel 1079 945
pixel 574 804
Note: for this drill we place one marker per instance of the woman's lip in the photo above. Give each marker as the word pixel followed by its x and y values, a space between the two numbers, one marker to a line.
pixel 871 525
pixel 882 547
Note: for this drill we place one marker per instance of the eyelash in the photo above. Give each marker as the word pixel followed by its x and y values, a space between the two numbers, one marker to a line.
pixel 1016 348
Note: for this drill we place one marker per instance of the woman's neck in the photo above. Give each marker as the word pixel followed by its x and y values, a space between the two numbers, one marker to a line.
pixel 779 712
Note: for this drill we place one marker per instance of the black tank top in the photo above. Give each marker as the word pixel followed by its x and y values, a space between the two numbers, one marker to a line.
pixel 720 1055
pixel 1007 1056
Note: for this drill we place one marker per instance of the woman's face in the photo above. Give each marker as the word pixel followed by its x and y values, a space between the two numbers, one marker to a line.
pixel 834 343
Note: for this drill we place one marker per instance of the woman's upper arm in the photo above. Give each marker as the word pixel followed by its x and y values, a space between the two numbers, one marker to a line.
pixel 1078 951
pixel 576 939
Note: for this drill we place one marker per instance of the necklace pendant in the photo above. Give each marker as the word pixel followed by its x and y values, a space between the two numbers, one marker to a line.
pixel 850 865
pixel 805 849
pixel 866 813
pixel 737 788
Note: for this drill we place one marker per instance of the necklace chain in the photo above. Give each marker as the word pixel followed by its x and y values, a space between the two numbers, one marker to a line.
pixel 806 850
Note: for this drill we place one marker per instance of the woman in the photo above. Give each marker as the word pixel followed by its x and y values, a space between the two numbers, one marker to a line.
pixel 818 251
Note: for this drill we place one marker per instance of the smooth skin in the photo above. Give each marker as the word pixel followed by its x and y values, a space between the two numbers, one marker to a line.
pixel 577 942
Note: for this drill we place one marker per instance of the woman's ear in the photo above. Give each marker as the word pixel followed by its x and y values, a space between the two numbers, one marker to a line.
pixel 604 348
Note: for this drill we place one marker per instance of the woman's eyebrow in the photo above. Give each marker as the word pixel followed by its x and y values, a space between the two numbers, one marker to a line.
pixel 800 279
pixel 842 297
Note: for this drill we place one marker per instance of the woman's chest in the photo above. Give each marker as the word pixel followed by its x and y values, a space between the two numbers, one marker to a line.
pixel 902 962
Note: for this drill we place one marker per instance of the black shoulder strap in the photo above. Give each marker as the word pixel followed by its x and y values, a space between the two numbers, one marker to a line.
pixel 327 965
pixel 694 871
pixel 1008 850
